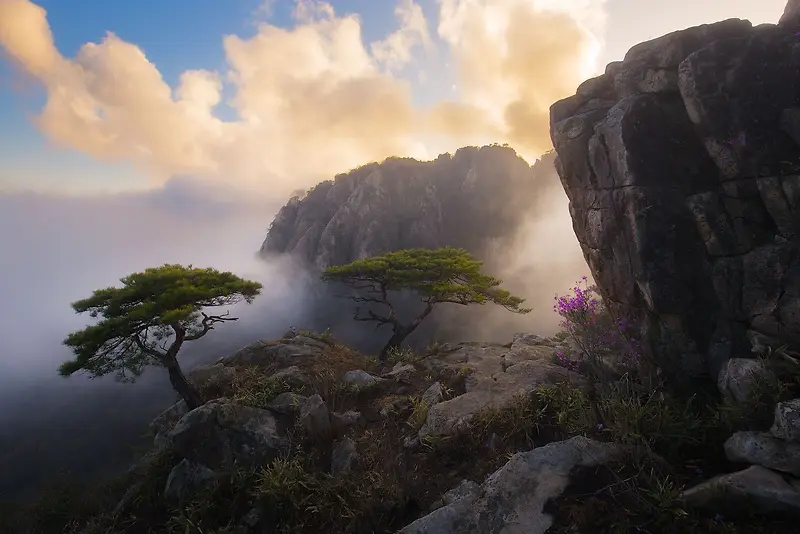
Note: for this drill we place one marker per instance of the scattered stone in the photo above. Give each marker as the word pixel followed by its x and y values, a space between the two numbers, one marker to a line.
pixel 221 432
pixel 342 422
pixel 787 421
pixel 361 380
pixel 185 479
pixel 755 488
pixel 314 416
pixel 764 449
pixel 412 442
pixel 512 499
pixel 288 403
pixel 344 456
pixel 400 406
pixel 740 377
pixel 433 395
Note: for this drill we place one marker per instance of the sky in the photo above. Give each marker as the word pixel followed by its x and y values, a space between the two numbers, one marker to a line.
pixel 117 96
pixel 140 133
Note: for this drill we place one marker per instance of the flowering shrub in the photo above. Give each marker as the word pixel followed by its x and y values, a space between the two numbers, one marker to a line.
pixel 597 335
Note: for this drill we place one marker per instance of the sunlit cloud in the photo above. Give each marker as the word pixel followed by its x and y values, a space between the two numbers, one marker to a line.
pixel 313 99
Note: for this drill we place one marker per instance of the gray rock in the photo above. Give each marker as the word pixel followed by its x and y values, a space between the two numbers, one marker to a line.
pixel 315 417
pixel 411 442
pixel 739 378
pixel 678 256
pixel 433 395
pixel 288 403
pixel 221 432
pixel 498 391
pixel 344 456
pixel 212 376
pixel 264 353
pixel 357 215
pixel 403 372
pixel 292 376
pixel 399 406
pixel 791 15
pixel 511 500
pixel 787 421
pixel 764 449
pixel 755 488
pixel 465 489
pixel 527 347
pixel 186 479
pixel 361 380
pixel 342 422
pixel 165 421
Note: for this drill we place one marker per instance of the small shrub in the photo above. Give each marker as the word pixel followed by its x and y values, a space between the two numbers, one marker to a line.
pixel 253 387
pixel 405 355
pixel 419 413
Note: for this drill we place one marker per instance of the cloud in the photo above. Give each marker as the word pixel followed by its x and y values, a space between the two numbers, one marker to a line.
pixel 314 99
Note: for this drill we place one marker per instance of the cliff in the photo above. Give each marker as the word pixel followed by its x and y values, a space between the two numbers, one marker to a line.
pixel 682 166
pixel 468 200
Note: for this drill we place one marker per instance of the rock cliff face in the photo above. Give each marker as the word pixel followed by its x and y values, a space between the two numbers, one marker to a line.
pixel 682 166
pixel 467 200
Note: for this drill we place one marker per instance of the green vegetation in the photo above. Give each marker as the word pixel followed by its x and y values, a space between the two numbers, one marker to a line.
pixel 147 321
pixel 671 442
pixel 445 275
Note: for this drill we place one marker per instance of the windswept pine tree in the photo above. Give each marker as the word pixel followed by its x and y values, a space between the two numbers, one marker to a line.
pixel 444 275
pixel 147 320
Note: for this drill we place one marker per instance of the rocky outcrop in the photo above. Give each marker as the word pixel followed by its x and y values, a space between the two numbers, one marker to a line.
pixel 489 383
pixel 463 200
pixel 682 166
pixel 512 499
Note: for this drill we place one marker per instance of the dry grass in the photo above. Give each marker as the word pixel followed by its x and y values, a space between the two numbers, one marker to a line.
pixel 668 439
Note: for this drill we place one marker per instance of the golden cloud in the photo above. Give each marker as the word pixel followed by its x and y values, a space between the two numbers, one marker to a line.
pixel 313 99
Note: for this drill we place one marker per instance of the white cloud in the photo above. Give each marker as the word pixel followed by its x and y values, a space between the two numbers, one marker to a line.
pixel 313 99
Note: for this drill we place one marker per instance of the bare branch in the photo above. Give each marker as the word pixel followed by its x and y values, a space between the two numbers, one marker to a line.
pixel 208 323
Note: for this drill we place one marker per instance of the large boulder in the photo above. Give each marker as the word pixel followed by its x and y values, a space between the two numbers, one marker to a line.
pixel 186 479
pixel 684 189
pixel 764 449
pixel 753 489
pixel 512 499
pixel 221 433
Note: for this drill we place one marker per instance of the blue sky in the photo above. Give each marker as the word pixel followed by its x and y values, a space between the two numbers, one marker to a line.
pixel 180 35
pixel 176 35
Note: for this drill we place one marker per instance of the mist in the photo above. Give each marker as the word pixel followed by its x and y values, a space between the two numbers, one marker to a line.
pixel 58 249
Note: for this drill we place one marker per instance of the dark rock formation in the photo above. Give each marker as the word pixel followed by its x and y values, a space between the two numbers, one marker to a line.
pixel 682 167
pixel 464 200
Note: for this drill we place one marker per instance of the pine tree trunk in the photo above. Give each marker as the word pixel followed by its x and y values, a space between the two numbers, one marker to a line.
pixel 394 342
pixel 183 387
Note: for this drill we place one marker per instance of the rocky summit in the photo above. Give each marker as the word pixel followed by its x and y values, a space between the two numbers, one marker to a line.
pixel 682 166
pixel 465 200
